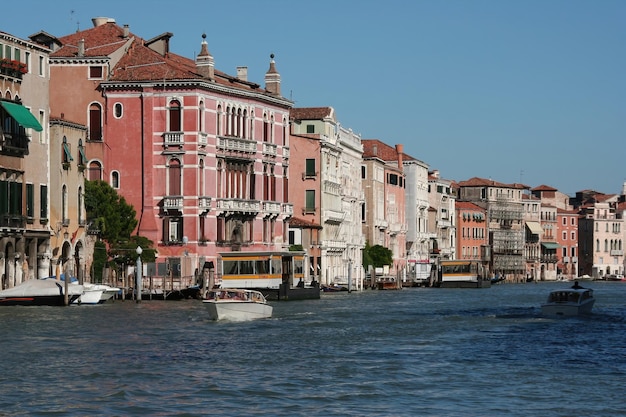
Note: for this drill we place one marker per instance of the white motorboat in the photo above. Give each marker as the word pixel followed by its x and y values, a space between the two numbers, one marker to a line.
pixel 96 294
pixel 40 292
pixel 572 301
pixel 237 304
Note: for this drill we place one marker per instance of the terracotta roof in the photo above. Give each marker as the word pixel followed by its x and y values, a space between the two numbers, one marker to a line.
pixel 482 182
pixel 466 205
pixel 374 148
pixel 297 222
pixel 544 188
pixel 139 62
pixel 311 113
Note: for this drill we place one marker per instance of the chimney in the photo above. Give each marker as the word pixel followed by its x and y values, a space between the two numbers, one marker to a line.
pixel 272 78
pixel 242 73
pixel 81 47
pixel 375 150
pixel 400 151
pixel 99 21
pixel 205 65
pixel 126 31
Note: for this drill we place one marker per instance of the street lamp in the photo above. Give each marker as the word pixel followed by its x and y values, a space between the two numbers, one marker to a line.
pixel 138 275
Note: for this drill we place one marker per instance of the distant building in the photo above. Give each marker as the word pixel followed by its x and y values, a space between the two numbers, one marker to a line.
pixel 326 190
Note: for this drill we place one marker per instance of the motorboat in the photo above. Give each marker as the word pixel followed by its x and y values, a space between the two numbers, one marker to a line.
pixel 96 294
pixel 40 292
pixel 573 301
pixel 237 304
pixel 387 283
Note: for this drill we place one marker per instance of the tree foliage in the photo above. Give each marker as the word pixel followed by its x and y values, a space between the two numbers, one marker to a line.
pixel 109 212
pixel 377 256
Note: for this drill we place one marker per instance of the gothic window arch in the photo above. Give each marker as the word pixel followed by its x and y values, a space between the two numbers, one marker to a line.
pixel 218 131
pixel 175 116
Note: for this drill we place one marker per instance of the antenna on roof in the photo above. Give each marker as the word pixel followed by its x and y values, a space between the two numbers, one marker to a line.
pixel 77 22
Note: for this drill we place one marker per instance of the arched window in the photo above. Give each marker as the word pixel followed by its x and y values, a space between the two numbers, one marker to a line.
pixel 201 117
pixel 175 177
pixel 95 171
pixel 201 191
pixel 117 110
pixel 115 179
pixel 220 185
pixel 218 131
pixel 81 220
pixel 64 208
pixel 175 114
pixel 95 122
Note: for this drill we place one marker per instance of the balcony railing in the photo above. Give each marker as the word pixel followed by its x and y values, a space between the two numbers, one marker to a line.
pixel 204 203
pixel 236 145
pixel 15 221
pixel 269 149
pixel 202 139
pixel 13 144
pixel 285 152
pixel 288 209
pixel 173 203
pixel 173 139
pixel 238 205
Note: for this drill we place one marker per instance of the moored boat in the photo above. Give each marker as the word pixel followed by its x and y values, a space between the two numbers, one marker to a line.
pixel 40 292
pixel 387 283
pixel 237 304
pixel 572 301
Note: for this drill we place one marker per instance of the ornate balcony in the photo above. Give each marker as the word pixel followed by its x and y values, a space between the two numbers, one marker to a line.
pixel 269 149
pixel 232 144
pixel 236 205
pixel 173 139
pixel 173 203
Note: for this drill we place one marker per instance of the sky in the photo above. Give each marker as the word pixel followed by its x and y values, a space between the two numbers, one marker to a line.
pixel 525 91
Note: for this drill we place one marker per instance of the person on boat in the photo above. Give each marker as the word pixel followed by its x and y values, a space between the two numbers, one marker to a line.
pixel 576 286
pixel 300 283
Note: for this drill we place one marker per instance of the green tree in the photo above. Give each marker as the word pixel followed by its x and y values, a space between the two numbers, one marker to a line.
pixel 377 256
pixel 109 212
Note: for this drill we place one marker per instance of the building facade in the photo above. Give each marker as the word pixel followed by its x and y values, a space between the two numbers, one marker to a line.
pixel 201 155
pixel 24 161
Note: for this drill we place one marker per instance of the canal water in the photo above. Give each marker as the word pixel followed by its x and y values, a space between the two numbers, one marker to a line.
pixel 415 352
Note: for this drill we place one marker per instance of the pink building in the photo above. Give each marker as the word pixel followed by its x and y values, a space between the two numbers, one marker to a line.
pixel 472 236
pixel 202 155
pixel 384 183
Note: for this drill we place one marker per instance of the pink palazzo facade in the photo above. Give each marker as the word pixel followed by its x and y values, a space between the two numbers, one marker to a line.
pixel 202 156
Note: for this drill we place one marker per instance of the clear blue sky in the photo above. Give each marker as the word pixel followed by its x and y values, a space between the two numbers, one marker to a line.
pixel 530 91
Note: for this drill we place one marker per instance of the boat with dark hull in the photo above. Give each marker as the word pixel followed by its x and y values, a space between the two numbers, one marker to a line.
pixel 40 292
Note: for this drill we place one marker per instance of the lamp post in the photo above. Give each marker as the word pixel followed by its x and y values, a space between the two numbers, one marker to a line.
pixel 138 275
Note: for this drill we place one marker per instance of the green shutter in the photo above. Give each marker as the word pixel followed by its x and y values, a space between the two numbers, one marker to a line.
pixel 310 200
pixel 4 197
pixel 44 202
pixel 30 200
pixel 310 167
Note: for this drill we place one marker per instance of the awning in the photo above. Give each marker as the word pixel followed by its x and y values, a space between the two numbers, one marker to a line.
pixel 535 228
pixel 550 245
pixel 22 115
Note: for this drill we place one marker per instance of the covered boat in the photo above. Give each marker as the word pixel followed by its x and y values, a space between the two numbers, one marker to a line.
pixel 41 292
pixel 572 301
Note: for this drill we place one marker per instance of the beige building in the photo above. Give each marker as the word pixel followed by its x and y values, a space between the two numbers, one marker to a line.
pixel 67 206
pixel 24 162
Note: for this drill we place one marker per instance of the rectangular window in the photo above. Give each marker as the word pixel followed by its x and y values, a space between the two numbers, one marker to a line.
pixel 310 201
pixel 393 179
pixel 564 235
pixel 30 201
pixel 41 63
pixel 310 129
pixel 1 51
pixel 27 61
pixel 95 71
pixel 573 235
pixel 43 199
pixel 363 172
pixel 310 168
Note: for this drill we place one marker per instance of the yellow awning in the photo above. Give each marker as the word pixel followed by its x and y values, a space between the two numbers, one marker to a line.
pixel 535 228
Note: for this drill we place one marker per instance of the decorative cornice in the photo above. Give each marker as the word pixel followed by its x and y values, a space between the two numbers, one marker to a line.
pixel 202 84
